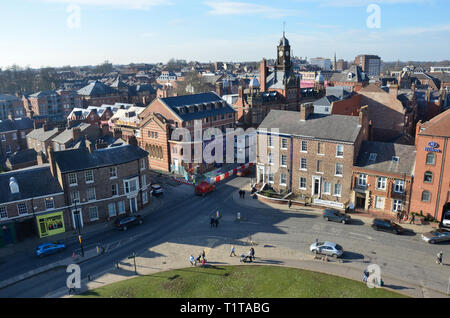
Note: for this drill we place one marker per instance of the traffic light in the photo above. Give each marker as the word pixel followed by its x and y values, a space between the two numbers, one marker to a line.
pixel 80 239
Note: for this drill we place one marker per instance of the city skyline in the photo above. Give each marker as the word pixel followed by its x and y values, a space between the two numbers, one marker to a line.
pixel 80 32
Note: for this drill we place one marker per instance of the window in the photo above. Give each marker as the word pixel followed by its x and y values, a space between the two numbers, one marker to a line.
pixel 14 136
pixel 144 180
pixel 397 206
pixel 115 190
pixel 362 180
pixel 372 158
pixel 112 210
pixel 381 183
pixel 270 158
pixel 3 137
pixel 23 134
pixel 339 169
pixel 75 197
pixel 319 166
pixel 143 164
pixel 319 148
pixel 379 203
pixel 302 183
pixel 304 146
pixel 426 196
pixel 270 177
pixel 49 203
pixel 283 160
pixel 303 164
pixel 93 213
pixel 89 175
pixel 337 190
pixel 112 172
pixel 339 151
pixel 144 197
pixel 121 207
pixel 399 186
pixel 91 194
pixel 395 159
pixel 283 179
pixel 431 159
pixel 428 178
pixel 284 143
pixel 327 187
pixel 130 186
pixel 22 208
pixel 3 212
pixel 73 179
pixel 270 141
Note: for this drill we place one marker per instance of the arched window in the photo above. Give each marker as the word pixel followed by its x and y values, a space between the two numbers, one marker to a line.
pixel 428 178
pixel 426 196
pixel 431 158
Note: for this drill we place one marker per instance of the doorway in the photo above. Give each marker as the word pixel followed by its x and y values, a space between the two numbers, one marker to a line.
pixel 360 203
pixel 133 205
pixel 77 217
pixel 316 181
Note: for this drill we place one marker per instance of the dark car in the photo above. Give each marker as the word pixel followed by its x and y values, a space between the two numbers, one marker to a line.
pixel 387 226
pixel 123 223
pixel 49 248
pixel 336 216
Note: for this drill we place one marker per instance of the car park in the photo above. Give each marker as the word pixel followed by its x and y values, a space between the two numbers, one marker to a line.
pixel 386 226
pixel 436 236
pixel 123 223
pixel 327 248
pixel 156 190
pixel 49 248
pixel 336 216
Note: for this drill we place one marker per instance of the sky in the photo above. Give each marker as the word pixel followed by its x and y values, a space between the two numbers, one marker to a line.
pixel 40 33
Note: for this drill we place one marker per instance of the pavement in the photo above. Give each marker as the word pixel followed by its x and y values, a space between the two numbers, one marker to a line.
pixel 175 255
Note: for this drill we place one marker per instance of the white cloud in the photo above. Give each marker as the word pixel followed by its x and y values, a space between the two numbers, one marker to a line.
pixel 244 8
pixel 125 4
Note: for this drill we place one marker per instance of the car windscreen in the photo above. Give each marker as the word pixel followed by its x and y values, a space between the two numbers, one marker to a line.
pixel 338 247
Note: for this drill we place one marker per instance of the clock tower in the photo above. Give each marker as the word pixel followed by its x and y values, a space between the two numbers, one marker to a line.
pixel 284 55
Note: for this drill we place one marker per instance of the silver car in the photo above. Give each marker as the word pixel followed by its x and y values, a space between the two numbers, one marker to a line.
pixel 435 236
pixel 327 248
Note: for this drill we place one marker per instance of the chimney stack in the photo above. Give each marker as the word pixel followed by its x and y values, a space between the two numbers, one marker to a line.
pixel 393 90
pixel 306 110
pixel 263 75
pixel 76 133
pixel 52 161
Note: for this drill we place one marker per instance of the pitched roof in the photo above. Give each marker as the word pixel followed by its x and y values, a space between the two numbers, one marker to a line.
pixel 326 101
pixel 41 135
pixel 333 127
pixel 16 124
pixel 81 159
pixel 437 126
pixel 36 181
pixel 97 88
pixel 384 154
pixel 24 156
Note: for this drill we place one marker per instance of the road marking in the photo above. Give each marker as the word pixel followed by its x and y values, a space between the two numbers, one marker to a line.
pixel 365 236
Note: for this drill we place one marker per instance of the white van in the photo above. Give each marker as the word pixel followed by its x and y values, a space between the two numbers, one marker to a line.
pixel 446 219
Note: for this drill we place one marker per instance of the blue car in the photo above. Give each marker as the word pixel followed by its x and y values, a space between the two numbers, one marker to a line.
pixel 49 248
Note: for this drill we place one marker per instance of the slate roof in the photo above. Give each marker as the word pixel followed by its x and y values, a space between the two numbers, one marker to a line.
pixel 343 76
pixel 16 124
pixel 333 127
pixel 67 134
pixel 43 94
pixel 6 97
pixel 437 126
pixel 41 135
pixel 24 156
pixel 179 103
pixel 383 161
pixel 33 182
pixel 97 88
pixel 81 159
pixel 326 101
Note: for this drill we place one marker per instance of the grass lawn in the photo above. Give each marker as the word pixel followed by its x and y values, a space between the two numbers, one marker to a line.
pixel 239 282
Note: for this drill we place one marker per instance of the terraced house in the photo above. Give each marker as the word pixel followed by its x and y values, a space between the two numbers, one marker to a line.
pixel 310 155
pixel 100 184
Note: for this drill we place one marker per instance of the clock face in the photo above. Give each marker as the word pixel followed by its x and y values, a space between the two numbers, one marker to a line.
pixel 287 53
pixel 281 53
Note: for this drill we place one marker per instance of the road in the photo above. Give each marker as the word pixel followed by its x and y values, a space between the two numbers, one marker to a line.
pixel 184 219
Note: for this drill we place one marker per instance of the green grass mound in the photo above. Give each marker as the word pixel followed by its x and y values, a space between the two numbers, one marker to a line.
pixel 239 282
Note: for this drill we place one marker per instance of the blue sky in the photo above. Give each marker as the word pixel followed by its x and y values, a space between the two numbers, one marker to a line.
pixel 37 32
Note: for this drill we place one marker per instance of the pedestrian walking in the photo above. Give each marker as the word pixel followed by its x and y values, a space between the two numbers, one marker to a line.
pixel 232 251
pixel 251 254
pixel 203 255
pixel 240 194
pixel 399 217
pixel 198 259
pixel 217 222
pixel 439 258
pixel 192 260
pixel 413 217
pixel 212 222
pixel 243 194
pixel 290 203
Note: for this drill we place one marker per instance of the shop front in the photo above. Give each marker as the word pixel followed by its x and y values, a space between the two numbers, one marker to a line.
pixel 50 224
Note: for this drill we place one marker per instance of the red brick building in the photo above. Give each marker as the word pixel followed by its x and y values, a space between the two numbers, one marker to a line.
pixel 431 189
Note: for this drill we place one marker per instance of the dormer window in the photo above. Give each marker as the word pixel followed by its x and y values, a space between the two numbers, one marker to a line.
pixel 372 157
pixel 350 76
pixel 395 159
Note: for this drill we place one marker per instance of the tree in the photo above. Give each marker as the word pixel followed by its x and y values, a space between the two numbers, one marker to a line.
pixel 193 84
pixel 104 68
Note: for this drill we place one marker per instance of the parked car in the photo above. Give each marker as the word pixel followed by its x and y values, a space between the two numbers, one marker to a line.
pixel 327 248
pixel 446 219
pixel 336 216
pixel 123 223
pixel 386 226
pixel 157 190
pixel 435 236
pixel 49 248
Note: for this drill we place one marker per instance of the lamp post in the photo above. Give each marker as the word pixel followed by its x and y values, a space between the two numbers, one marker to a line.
pixel 78 225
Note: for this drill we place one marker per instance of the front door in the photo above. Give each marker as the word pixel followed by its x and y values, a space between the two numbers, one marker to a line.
pixel 316 186
pixel 133 205
pixel 77 217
